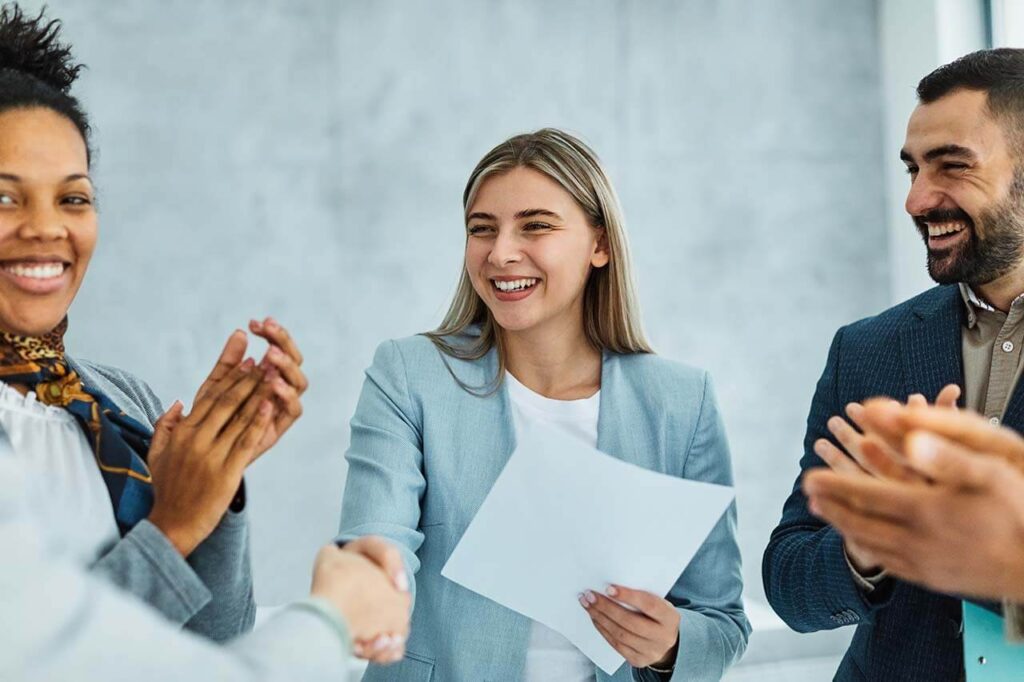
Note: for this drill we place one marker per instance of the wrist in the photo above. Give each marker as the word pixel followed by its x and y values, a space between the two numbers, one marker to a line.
pixel 667 662
pixel 180 538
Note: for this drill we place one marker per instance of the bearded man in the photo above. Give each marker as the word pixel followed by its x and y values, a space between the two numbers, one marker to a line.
pixel 958 343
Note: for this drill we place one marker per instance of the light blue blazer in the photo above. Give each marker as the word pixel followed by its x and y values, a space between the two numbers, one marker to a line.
pixel 425 452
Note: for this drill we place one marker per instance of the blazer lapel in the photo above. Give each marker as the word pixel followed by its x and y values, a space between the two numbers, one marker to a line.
pixel 931 346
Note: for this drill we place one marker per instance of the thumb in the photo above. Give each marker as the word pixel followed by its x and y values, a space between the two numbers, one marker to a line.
pixel 163 428
pixel 949 463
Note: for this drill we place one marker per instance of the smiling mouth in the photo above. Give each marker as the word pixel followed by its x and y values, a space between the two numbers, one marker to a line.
pixel 515 285
pixel 943 234
pixel 37 270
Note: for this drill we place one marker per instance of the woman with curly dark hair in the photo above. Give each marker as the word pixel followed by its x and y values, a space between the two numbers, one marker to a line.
pixel 152 500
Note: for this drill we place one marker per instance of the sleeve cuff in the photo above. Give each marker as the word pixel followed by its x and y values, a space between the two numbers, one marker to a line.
pixel 329 614
pixel 868 583
pixel 1013 622
pixel 174 572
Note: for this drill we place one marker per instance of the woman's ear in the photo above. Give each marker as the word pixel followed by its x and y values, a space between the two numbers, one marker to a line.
pixel 601 255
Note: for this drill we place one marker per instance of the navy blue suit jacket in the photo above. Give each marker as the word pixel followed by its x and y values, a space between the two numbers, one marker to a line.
pixel 903 632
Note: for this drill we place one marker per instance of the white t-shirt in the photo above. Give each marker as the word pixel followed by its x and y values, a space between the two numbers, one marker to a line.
pixel 550 656
pixel 66 497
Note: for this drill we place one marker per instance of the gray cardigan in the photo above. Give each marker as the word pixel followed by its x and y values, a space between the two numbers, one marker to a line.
pixel 211 592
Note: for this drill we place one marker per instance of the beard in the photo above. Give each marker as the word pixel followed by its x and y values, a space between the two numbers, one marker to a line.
pixel 979 261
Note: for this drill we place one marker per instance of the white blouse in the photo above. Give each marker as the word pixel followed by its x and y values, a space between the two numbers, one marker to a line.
pixel 67 497
pixel 549 655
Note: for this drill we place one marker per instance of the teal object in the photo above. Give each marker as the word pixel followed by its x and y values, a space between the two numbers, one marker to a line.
pixel 988 657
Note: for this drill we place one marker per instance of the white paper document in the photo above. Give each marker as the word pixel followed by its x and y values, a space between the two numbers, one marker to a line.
pixel 563 518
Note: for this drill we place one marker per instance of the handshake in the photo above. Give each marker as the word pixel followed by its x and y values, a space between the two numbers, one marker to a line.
pixel 365 581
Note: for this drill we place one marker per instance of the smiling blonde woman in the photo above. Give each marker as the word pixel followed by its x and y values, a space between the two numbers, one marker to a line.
pixel 544 327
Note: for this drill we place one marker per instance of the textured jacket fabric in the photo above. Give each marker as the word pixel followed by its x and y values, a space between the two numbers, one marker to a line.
pixel 60 622
pixel 211 592
pixel 903 632
pixel 425 452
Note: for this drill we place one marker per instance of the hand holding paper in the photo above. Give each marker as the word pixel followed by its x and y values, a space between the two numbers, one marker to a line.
pixel 563 518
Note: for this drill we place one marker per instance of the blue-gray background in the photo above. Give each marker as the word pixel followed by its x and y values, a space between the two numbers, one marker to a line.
pixel 306 159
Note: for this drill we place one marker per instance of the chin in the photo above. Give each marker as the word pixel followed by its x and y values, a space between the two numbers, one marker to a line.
pixel 35 326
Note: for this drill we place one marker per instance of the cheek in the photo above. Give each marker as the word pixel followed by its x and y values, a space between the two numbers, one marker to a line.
pixel 83 238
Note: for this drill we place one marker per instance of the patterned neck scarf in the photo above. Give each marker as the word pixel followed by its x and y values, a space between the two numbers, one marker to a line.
pixel 119 442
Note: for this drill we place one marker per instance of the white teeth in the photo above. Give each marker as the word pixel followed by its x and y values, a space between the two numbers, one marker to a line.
pixel 939 229
pixel 42 271
pixel 515 285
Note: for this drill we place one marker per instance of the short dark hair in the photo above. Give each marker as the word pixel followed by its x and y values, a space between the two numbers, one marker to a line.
pixel 999 73
pixel 36 69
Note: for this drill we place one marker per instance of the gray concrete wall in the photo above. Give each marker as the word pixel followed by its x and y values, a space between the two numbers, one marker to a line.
pixel 306 159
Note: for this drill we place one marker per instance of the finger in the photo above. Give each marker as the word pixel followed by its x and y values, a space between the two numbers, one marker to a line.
pixel 950 463
pixel 164 426
pixel 648 604
pixel 948 396
pixel 288 368
pixel 871 496
pixel 886 461
pixel 867 532
pixel 836 458
pixel 855 411
pixel 851 441
pixel 620 639
pixel 967 428
pixel 385 555
pixel 246 448
pixel 916 400
pixel 202 407
pixel 226 404
pixel 243 418
pixel 288 398
pixel 230 356
pixel 276 335
pixel 635 625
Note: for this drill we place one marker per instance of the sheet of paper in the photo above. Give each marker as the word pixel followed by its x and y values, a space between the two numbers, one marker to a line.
pixel 563 518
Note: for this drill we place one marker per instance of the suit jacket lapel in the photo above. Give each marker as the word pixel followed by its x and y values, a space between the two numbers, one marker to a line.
pixel 931 345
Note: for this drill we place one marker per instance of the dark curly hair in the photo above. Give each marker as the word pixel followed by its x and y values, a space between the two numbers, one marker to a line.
pixel 36 69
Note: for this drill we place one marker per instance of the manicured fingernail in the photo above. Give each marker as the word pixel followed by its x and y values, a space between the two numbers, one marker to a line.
pixel 583 601
pixel 272 324
pixel 265 408
pixel 612 591
pixel 401 581
pixel 591 597
pixel 248 364
pixel 275 353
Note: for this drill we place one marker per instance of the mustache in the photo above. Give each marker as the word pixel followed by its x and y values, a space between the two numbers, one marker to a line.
pixel 942 215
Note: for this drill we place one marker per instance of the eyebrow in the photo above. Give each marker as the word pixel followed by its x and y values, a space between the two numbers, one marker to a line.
pixel 938 152
pixel 525 213
pixel 10 177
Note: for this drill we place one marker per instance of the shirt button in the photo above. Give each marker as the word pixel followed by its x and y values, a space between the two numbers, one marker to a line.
pixel 994 421
pixel 1008 346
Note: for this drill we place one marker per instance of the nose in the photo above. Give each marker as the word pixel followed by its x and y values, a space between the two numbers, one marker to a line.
pixel 42 222
pixel 505 250
pixel 923 196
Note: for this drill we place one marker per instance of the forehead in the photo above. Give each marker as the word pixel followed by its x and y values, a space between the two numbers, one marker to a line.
pixel 960 118
pixel 518 189
pixel 38 142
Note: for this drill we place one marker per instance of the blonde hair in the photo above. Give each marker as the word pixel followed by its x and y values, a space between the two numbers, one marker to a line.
pixel 611 313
